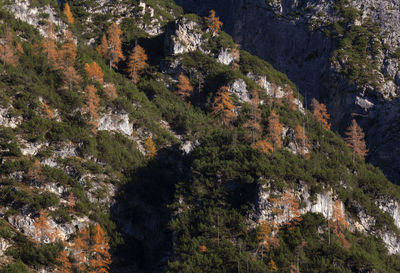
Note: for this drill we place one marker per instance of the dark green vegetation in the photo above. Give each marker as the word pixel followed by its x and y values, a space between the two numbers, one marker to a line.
pixel 201 199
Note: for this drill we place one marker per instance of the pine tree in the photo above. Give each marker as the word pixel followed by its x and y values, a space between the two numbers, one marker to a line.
pixel 7 50
pixel 355 139
pixel 213 22
pixel 94 72
pixel 319 111
pixel 223 105
pixel 184 87
pixel 93 104
pixel 137 63
pixel 102 49
pixel 150 148
pixel 275 130
pixel 100 257
pixel 64 265
pixel 114 45
pixel 68 13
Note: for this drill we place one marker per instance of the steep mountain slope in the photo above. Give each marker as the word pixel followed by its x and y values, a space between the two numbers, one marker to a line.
pixel 205 161
pixel 344 53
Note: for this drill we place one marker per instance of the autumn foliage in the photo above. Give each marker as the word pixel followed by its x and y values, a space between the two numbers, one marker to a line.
pixel 49 46
pixel 68 13
pixel 93 104
pixel 263 146
pixel 213 22
pixel 150 148
pixel 355 139
pixel 94 72
pixel 63 263
pixel 137 63
pixel 223 105
pixel 275 129
pixel 319 111
pixel 110 90
pixel 48 111
pixel 42 226
pixel 184 87
pixel 266 236
pixel 339 224
pixel 102 49
pixel 114 45
pixel 100 257
pixel 7 50
pixel 302 141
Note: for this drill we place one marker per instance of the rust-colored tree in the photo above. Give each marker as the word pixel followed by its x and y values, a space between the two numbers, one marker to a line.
pixel 7 50
pixel 68 14
pixel 253 124
pixel 63 263
pixel 290 99
pixel 35 172
pixel 150 148
pixel 114 45
pixel 203 249
pixel 49 46
pixel 275 130
pixel 213 22
pixel 290 208
pixel 184 87
pixel 137 63
pixel 223 106
pixel 100 257
pixel 110 90
pixel 93 104
pixel 355 140
pixel 320 113
pixel 42 226
pixel 272 266
pixel 302 141
pixel 81 249
pixel 263 146
pixel 94 72
pixel 102 49
pixel 71 202
pixel 266 236
pixel 235 53
pixel 67 55
pixel 71 76
pixel 339 224
pixel 48 111
pixel 20 49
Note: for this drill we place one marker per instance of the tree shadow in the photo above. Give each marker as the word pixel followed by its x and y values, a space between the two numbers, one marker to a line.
pixel 141 213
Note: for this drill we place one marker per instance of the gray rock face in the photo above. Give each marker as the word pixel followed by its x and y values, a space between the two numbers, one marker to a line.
pixel 186 36
pixel 326 203
pixel 113 122
pixel 269 30
pixel 239 88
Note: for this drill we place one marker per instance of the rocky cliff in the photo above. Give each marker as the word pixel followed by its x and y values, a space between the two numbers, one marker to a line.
pixel 344 53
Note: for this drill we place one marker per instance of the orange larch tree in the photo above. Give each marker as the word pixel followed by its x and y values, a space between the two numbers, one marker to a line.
pixel 291 101
pixel 319 111
pixel 355 139
pixel 137 63
pixel 63 263
pixel 100 257
pixel 110 90
pixel 7 50
pixel 102 49
pixel 275 129
pixel 150 148
pixel 339 224
pixel 263 146
pixel 94 72
pixel 68 13
pixel 48 111
pixel 49 45
pixel 42 226
pixel 93 104
pixel 223 105
pixel 71 76
pixel 213 22
pixel 81 249
pixel 266 236
pixel 184 87
pixel 20 49
pixel 68 51
pixel 71 202
pixel 302 141
pixel 114 45
pixel 293 215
